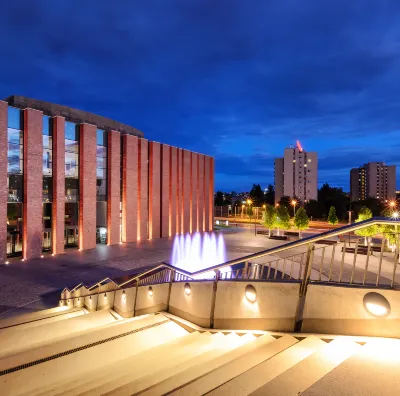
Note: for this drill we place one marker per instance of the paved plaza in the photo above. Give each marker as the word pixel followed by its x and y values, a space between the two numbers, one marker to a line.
pixel 35 284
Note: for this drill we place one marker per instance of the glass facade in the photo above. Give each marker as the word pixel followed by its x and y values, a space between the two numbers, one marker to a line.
pixel 71 184
pixel 15 181
pixel 47 166
pixel 101 186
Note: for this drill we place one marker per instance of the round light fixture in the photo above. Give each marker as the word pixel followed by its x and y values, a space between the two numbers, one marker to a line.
pixel 251 294
pixel 187 288
pixel 376 305
pixel 150 291
pixel 123 295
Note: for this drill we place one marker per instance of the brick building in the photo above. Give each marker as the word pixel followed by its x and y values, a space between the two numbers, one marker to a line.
pixel 69 178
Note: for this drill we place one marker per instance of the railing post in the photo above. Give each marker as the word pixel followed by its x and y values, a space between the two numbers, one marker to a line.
pixel 171 279
pixel 136 293
pixel 396 260
pixel 214 296
pixel 245 269
pixel 307 270
pixel 354 262
pixel 303 289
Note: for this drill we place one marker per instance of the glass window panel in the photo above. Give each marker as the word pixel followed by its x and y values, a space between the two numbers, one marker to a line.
pixel 47 142
pixel 47 162
pixel 71 131
pixel 14 136
pixel 101 173
pixel 71 165
pixel 14 164
pixel 47 189
pixel 15 188
pixel 71 146
pixel 101 137
pixel 101 151
pixel 46 126
pixel 14 118
pixel 101 162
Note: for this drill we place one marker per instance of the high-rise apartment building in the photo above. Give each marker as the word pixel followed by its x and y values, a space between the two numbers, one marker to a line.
pixel 296 174
pixel 375 179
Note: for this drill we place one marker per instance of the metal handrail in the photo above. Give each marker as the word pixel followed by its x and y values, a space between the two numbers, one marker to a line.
pixel 302 242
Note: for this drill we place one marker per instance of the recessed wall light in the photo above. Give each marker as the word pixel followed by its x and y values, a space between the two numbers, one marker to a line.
pixel 376 305
pixel 188 290
pixel 251 294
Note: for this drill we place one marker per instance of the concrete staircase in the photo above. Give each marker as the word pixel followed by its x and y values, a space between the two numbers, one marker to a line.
pixel 73 352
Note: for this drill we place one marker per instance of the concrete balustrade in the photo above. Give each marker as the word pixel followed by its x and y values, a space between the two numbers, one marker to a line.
pixel 341 310
pixel 195 307
pixel 274 308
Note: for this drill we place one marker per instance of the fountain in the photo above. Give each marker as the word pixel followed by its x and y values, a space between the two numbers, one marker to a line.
pixel 199 251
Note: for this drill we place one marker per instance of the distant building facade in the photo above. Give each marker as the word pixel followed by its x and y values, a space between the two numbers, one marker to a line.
pixel 73 179
pixel 374 179
pixel 296 174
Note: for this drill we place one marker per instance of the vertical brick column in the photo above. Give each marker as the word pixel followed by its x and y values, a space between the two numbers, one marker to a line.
pixel 165 197
pixel 206 193
pixel 154 190
pixel 211 194
pixel 3 180
pixel 58 206
pixel 33 182
pixel 186 190
pixel 143 187
pixel 193 195
pixel 173 187
pixel 179 192
pixel 113 187
pixel 129 188
pixel 201 192
pixel 87 187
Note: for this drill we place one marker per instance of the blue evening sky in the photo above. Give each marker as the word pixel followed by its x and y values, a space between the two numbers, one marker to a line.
pixel 238 80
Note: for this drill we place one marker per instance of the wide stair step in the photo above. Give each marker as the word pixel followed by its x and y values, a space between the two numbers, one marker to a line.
pixel 136 378
pixel 38 378
pixel 219 345
pixel 13 342
pixel 38 316
pixel 374 370
pixel 200 368
pixel 258 351
pixel 96 378
pixel 301 376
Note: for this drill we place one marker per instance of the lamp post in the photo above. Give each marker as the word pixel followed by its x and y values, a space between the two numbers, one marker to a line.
pixel 294 203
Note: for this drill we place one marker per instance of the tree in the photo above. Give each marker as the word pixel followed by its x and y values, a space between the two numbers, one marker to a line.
pixel 315 209
pixel 270 195
pixel 269 218
pixel 389 232
pixel 365 214
pixel 334 196
pixel 286 201
pixel 301 220
pixel 257 195
pixel 219 198
pixel 282 218
pixel 332 218
pixel 249 211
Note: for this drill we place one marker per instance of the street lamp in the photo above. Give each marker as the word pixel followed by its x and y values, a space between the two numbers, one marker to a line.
pixel 392 204
pixel 294 203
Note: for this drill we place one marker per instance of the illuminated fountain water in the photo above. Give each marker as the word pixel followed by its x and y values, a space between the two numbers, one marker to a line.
pixel 199 251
